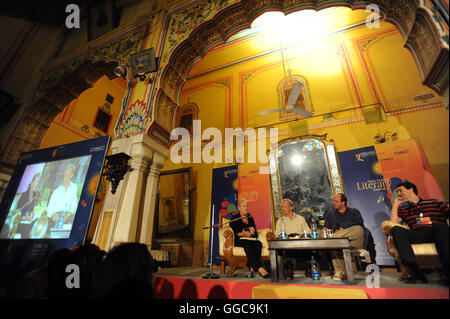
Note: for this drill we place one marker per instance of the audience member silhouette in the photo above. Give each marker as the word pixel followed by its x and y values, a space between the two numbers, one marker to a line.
pixel 4 260
pixel 10 266
pixel 57 274
pixel 34 285
pixel 47 281
pixel 126 273
pixel 88 258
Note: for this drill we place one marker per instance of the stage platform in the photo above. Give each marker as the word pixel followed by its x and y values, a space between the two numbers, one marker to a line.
pixel 187 283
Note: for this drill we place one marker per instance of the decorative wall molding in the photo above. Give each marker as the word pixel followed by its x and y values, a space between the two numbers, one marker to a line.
pixel 231 16
pixel 134 121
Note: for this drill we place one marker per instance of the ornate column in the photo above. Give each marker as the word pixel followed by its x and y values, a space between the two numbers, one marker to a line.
pixel 148 216
pixel 132 206
pixel 134 184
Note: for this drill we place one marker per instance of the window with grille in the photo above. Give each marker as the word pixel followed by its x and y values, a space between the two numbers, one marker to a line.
pixel 102 121
pixel 109 98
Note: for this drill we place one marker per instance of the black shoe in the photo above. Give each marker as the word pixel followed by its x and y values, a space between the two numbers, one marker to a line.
pixel 416 278
pixel 443 280
pixel 250 273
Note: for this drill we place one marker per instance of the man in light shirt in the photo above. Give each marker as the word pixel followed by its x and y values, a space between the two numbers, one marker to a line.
pixel 64 198
pixel 293 224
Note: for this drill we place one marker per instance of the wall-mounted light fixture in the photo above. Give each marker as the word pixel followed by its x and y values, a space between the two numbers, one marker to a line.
pixel 121 71
pixel 385 137
pixel 142 63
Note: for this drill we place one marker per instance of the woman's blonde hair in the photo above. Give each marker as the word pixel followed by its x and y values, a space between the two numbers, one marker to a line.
pixel 242 201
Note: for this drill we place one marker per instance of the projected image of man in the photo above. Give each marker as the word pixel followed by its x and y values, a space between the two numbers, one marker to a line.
pixel 63 201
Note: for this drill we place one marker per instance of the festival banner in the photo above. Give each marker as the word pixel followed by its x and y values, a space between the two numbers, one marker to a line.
pixel 255 187
pixel 406 160
pixel 224 199
pixel 366 191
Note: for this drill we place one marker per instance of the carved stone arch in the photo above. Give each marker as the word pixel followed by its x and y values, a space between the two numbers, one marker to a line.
pixel 239 16
pixel 425 44
pixel 64 79
pixel 54 90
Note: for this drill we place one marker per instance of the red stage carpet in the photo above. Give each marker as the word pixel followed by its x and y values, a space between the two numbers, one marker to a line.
pixel 173 287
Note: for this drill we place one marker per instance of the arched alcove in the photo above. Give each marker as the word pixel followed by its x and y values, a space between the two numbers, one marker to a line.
pixel 52 95
pixel 63 79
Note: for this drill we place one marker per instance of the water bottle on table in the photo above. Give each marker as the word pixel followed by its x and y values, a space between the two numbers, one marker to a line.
pixel 283 234
pixel 60 221
pixel 314 230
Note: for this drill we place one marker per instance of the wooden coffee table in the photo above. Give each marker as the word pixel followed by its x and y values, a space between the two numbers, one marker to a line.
pixel 276 247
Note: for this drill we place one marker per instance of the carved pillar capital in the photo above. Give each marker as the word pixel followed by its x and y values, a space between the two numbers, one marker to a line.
pixel 156 165
pixel 140 163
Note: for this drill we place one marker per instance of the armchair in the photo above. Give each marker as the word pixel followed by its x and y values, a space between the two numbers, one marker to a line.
pixel 367 255
pixel 235 256
pixel 426 254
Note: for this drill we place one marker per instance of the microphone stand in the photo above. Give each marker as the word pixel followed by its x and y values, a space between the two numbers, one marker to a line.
pixel 211 274
pixel 35 197
pixel 218 225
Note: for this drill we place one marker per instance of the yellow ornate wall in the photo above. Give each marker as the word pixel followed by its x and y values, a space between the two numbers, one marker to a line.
pixel 345 67
pixel 76 121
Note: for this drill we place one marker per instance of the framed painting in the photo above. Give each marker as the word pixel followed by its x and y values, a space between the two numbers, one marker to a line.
pixel 101 18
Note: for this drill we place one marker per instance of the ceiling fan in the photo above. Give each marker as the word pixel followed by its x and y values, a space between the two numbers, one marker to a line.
pixel 295 92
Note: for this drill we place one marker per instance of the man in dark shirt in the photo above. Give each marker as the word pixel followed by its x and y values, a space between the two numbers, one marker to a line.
pixel 427 222
pixel 346 223
pixel 342 217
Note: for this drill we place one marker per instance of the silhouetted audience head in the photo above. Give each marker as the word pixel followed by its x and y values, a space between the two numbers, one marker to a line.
pixel 126 273
pixel 56 268
pixel 11 267
pixel 89 259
